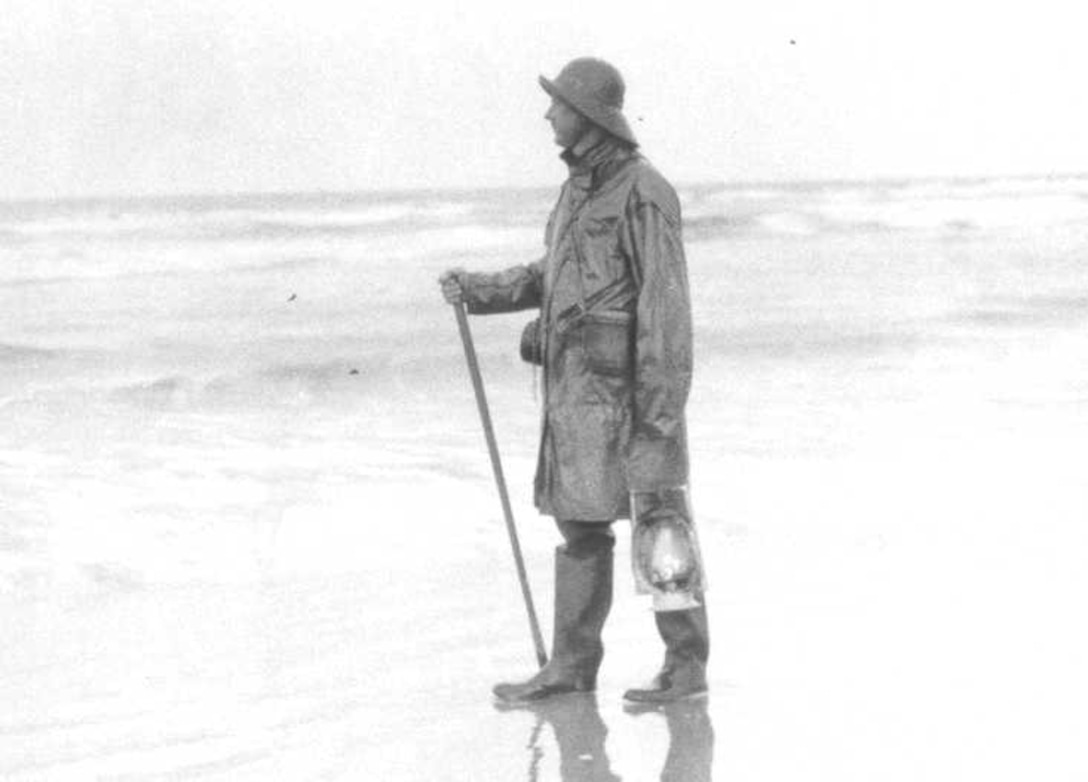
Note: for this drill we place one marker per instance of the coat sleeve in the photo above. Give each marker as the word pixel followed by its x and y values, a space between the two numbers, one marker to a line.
pixel 516 288
pixel 513 289
pixel 658 457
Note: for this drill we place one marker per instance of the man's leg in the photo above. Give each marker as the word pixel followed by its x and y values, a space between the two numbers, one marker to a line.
pixel 687 648
pixel 583 598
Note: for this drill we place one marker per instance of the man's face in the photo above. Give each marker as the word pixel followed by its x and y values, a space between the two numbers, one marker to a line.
pixel 569 126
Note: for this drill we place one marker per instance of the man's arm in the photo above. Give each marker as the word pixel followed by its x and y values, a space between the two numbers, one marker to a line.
pixel 658 457
pixel 516 288
pixel 513 289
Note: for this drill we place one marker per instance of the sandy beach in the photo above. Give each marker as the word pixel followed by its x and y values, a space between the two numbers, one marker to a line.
pixel 841 650
pixel 225 556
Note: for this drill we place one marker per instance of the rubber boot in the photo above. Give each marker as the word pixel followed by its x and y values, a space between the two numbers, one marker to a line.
pixel 583 598
pixel 687 649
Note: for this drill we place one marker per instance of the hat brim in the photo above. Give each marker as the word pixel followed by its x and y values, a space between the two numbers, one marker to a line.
pixel 611 121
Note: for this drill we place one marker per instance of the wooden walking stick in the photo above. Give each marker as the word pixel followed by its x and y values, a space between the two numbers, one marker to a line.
pixel 496 466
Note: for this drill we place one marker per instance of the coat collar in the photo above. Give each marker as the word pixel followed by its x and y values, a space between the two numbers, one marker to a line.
pixel 596 164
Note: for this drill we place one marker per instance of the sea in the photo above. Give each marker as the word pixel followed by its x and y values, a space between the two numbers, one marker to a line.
pixel 249 528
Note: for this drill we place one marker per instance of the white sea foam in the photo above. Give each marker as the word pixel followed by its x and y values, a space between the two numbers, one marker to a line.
pixel 944 206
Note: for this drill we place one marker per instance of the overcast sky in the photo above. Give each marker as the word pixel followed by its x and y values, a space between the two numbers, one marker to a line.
pixel 164 96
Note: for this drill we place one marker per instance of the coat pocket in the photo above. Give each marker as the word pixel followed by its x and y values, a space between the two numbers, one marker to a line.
pixel 608 342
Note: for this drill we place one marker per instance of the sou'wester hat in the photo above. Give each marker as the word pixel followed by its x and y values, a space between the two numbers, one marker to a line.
pixel 594 89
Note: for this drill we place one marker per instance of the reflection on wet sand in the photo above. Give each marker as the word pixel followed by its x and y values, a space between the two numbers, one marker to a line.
pixel 580 734
pixel 691 740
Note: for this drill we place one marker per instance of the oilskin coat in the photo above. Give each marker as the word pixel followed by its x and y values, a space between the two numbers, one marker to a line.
pixel 615 331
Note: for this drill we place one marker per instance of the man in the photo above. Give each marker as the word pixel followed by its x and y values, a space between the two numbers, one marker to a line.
pixel 614 339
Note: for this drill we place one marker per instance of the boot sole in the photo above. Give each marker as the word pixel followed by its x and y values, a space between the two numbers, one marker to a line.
pixel 542 694
pixel 556 699
pixel 663 699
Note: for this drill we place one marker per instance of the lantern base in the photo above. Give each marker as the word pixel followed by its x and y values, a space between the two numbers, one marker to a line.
pixel 673 601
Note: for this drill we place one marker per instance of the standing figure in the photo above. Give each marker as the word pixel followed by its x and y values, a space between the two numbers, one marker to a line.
pixel 614 338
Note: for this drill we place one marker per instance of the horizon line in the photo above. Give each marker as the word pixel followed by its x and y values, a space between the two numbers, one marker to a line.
pixel 420 190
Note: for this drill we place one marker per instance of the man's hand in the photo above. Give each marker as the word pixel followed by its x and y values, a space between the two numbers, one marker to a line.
pixel 452 289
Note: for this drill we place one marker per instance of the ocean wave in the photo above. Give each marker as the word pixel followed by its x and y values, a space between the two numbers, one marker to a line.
pixel 710 211
pixel 256 217
pixel 812 341
pixel 927 208
pixel 326 382
pixel 960 213
pixel 288 384
pixel 1032 311
pixel 11 355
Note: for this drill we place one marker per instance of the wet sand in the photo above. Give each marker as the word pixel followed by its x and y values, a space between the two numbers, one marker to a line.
pixel 295 576
pixel 864 630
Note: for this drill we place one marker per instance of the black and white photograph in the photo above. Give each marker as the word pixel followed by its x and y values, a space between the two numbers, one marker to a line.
pixel 545 392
